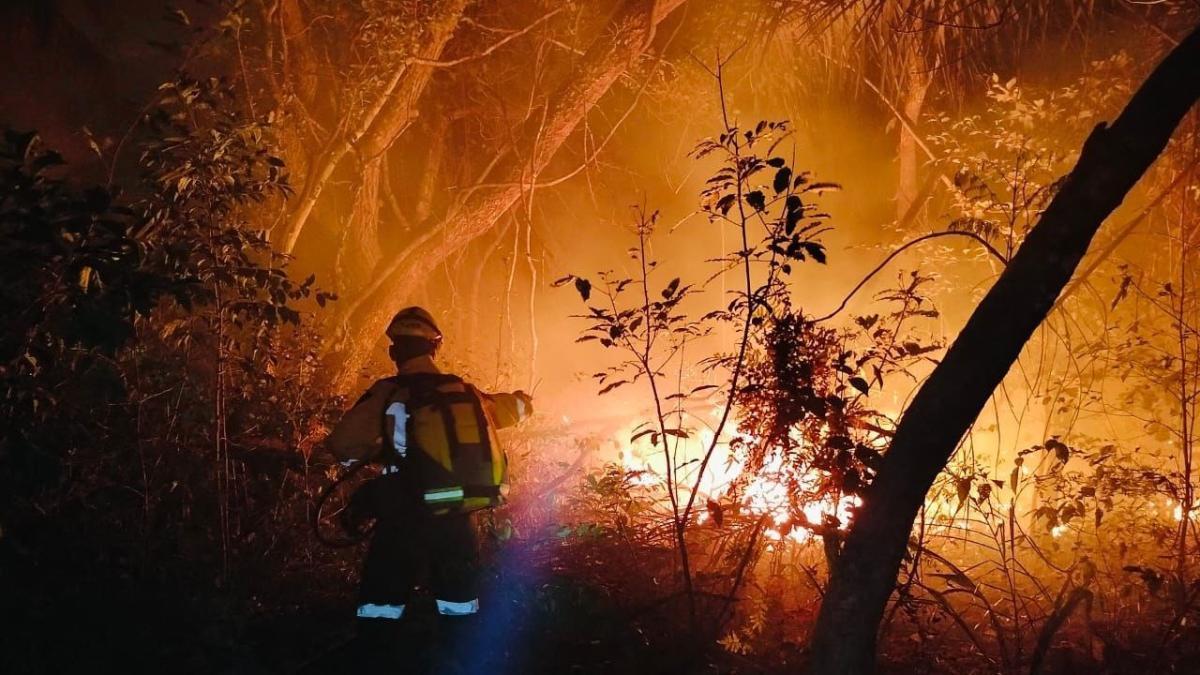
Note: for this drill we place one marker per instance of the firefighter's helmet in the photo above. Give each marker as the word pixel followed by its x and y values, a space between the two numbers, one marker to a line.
pixel 414 321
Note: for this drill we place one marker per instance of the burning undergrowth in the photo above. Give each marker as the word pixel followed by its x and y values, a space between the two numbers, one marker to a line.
pixel 760 434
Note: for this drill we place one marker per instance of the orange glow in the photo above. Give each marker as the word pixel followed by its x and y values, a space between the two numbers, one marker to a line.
pixel 765 494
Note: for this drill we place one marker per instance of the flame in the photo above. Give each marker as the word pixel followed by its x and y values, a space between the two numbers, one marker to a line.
pixel 765 494
pixel 1178 511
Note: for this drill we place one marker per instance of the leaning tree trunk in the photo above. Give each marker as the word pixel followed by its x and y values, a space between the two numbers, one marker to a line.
pixel 359 250
pixel 628 34
pixel 299 63
pixel 1112 161
pixel 392 112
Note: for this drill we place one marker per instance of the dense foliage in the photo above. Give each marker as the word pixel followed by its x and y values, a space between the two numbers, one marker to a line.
pixel 154 339
pixel 167 375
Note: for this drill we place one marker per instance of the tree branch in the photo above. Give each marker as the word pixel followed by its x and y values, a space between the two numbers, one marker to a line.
pixel 1113 159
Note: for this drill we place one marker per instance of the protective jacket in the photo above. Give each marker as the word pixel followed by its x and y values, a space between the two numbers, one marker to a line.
pixel 359 434
pixel 435 434
pixel 438 429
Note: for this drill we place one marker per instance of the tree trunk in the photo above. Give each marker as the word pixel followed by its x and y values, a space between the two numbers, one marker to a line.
pixel 1112 161
pixel 628 34
pixel 380 125
pixel 359 251
pixel 908 184
pixel 299 64
pixel 432 170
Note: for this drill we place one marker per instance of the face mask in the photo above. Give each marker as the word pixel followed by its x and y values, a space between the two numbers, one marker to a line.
pixel 407 347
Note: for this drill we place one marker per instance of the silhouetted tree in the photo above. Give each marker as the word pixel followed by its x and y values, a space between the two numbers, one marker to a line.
pixel 1113 159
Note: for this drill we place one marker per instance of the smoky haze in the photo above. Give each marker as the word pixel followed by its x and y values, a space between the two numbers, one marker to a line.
pixel 482 159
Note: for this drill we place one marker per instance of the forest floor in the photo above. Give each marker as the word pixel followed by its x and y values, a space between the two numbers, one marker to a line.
pixel 537 618
pixel 534 619
pixel 549 606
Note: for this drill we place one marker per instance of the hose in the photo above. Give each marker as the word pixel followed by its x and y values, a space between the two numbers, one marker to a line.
pixel 356 537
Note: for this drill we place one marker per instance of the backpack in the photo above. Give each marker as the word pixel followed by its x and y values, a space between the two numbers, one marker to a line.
pixel 438 430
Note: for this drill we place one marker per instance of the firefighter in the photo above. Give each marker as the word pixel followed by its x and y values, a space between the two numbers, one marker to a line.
pixel 434 436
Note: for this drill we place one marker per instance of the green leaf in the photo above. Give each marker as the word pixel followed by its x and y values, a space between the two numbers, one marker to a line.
pixel 640 434
pixel 782 178
pixel 963 486
pixel 859 384
pixel 1061 451
pixel 584 287
pixel 958 579
pixel 815 250
pixel 612 386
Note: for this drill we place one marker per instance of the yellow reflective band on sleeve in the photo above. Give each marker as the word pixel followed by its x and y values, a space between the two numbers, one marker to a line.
pixel 439 495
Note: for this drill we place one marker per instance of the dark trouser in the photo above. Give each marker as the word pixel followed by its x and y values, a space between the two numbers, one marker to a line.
pixel 410 547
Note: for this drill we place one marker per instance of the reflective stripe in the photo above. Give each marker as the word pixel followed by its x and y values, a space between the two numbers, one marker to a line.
pixel 380 611
pixel 399 415
pixel 521 407
pixel 447 608
pixel 444 494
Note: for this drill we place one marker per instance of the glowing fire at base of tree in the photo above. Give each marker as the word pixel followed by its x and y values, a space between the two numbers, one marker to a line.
pixel 770 492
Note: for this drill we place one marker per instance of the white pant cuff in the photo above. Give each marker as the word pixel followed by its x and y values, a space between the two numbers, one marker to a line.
pixel 447 608
pixel 370 611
